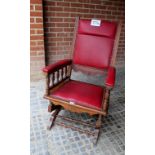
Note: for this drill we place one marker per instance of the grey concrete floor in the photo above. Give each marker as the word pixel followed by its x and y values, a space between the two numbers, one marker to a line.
pixel 63 141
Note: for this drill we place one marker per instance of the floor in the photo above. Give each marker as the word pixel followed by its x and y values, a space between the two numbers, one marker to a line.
pixel 63 141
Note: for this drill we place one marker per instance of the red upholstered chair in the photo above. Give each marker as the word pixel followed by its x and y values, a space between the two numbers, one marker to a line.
pixel 94 50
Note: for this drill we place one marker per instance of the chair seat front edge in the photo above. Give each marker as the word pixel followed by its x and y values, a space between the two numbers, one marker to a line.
pixel 74 107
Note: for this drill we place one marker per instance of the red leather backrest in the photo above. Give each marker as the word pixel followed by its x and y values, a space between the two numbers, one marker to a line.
pixel 94 44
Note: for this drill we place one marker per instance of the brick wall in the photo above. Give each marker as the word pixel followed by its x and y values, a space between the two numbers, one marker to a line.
pixel 37 54
pixel 59 16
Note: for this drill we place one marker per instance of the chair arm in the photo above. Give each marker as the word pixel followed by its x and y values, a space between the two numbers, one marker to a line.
pixel 110 81
pixel 57 73
pixel 53 67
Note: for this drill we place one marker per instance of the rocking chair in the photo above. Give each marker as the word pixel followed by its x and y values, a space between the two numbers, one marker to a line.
pixel 95 46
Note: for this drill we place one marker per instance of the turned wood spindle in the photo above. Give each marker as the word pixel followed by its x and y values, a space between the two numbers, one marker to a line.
pixel 57 76
pixel 62 74
pixel 65 71
pixel 47 84
pixel 70 70
pixel 53 78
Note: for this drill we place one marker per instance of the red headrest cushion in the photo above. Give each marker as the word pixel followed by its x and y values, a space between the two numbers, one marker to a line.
pixel 94 44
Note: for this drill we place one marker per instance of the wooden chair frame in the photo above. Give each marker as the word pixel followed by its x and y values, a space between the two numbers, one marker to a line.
pixel 60 76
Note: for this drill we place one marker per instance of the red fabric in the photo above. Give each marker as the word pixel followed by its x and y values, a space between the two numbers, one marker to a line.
pixel 110 81
pixel 94 44
pixel 107 29
pixel 80 93
pixel 57 65
pixel 93 51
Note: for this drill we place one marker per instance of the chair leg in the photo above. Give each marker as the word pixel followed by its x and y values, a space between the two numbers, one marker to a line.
pixel 54 116
pixel 98 122
pixel 51 107
pixel 97 136
pixel 106 101
pixel 98 126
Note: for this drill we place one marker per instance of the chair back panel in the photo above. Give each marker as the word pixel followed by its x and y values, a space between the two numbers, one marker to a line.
pixel 94 44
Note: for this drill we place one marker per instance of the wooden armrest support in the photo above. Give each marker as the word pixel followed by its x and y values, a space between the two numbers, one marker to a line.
pixel 105 103
pixel 57 73
pixel 110 81
pixel 109 84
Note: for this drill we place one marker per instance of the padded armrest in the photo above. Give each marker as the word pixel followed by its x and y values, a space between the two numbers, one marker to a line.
pixel 110 81
pixel 53 67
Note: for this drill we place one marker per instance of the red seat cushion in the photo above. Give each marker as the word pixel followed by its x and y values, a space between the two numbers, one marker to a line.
pixel 81 93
